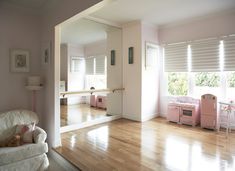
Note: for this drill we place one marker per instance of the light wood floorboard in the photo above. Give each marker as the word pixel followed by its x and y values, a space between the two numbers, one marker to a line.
pixel 75 114
pixel 153 145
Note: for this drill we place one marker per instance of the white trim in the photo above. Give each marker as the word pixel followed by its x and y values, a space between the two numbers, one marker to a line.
pixel 149 117
pixel 99 20
pixel 89 123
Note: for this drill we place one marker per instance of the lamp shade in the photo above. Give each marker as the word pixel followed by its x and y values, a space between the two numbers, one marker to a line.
pixel 34 81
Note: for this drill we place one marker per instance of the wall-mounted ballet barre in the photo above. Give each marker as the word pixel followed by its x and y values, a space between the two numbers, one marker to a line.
pixel 89 92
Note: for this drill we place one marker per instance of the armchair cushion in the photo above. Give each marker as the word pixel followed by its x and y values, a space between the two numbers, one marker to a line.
pixel 39 135
pixel 13 154
pixel 9 120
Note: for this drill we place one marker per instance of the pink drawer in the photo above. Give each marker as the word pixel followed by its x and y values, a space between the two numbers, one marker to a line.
pixel 173 113
pixel 208 121
pixel 187 120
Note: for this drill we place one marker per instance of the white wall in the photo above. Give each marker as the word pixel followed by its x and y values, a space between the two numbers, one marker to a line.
pixel 20 30
pixel 149 76
pixel 131 37
pixel 213 26
pixel 114 72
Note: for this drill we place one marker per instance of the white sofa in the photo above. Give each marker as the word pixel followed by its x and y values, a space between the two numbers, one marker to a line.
pixel 28 157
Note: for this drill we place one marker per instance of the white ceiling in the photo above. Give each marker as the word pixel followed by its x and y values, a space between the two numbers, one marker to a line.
pixel 161 12
pixel 84 32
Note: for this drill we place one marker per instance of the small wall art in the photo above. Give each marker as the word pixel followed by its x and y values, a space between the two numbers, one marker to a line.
pixel 112 57
pixel 46 53
pixel 19 60
pixel 131 55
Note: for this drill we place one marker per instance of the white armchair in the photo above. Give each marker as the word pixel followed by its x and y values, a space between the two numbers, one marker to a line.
pixel 27 157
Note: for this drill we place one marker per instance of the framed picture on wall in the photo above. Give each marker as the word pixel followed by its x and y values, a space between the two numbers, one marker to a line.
pixel 46 53
pixel 151 55
pixel 19 60
pixel 131 55
pixel 112 57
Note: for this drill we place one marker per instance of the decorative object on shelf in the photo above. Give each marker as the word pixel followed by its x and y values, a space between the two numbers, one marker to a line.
pixel 112 57
pixel 131 55
pixel 46 53
pixel 151 55
pixel 19 61
pixel 34 84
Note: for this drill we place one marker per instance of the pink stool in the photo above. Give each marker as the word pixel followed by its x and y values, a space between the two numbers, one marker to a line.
pixel 93 101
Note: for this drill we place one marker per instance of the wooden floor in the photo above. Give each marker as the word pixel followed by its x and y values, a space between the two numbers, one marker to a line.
pixel 153 145
pixel 75 114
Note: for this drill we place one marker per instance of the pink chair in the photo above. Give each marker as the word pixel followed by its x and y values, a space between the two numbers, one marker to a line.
pixel 209 115
pixel 93 101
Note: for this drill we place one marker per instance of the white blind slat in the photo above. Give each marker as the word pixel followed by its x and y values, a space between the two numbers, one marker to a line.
pixel 229 53
pixel 100 65
pixel 205 56
pixel 89 66
pixel 176 58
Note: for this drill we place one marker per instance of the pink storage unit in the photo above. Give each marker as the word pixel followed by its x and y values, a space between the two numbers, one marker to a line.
pixel 101 102
pixel 173 112
pixel 209 115
pixel 185 110
pixel 93 100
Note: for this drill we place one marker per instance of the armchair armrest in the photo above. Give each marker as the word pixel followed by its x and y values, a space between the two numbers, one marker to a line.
pixel 39 135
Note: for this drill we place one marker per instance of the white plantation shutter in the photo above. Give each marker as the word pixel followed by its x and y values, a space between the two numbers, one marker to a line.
pixel 229 53
pixel 176 57
pixel 205 55
pixel 100 65
pixel 89 66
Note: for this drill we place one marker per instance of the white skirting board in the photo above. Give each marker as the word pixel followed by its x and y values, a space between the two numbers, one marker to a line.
pixel 89 123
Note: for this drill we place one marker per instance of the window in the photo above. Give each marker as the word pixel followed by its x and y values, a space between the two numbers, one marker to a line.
pixel 177 83
pixel 230 85
pixel 200 67
pixel 231 79
pixel 207 79
pixel 206 82
pixel 77 64
pixel 96 72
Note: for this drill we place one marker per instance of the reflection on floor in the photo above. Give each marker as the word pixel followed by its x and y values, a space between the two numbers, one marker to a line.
pixel 74 114
pixel 153 145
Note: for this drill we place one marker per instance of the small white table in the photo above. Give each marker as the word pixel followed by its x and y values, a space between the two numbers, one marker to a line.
pixel 229 109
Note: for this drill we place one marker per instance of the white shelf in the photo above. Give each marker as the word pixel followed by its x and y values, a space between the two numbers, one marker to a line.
pixel 34 88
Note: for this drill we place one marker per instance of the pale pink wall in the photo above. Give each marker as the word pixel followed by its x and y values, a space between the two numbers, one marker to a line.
pixel 19 29
pixel 201 28
pixel 149 76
